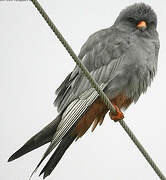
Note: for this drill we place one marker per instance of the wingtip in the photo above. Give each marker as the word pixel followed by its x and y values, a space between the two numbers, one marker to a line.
pixel 41 172
pixel 11 158
pixel 16 155
pixel 45 174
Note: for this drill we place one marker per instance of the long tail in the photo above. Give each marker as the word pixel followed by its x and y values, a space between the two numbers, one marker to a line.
pixel 59 131
pixel 39 139
pixel 57 155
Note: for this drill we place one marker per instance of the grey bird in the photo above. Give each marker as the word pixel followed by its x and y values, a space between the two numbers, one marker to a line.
pixel 122 59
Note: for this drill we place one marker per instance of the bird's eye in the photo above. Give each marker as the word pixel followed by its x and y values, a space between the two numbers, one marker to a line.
pixel 130 19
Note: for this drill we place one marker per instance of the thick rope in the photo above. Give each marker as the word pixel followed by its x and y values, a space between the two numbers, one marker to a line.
pixel 96 86
pixel 74 56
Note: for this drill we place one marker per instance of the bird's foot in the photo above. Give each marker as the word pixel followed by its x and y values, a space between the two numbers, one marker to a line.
pixel 116 117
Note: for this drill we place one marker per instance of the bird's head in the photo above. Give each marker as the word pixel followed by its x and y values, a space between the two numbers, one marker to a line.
pixel 137 17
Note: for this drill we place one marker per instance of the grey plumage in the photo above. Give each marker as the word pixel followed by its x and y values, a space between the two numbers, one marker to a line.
pixel 57 155
pixel 70 116
pixel 39 139
pixel 121 58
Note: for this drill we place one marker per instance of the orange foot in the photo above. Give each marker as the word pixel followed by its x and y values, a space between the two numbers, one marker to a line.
pixel 119 116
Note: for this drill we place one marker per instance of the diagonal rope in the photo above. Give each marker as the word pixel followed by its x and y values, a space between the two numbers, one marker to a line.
pixel 74 56
pixel 96 86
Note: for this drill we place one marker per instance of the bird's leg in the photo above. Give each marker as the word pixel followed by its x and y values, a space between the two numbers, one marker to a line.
pixel 116 117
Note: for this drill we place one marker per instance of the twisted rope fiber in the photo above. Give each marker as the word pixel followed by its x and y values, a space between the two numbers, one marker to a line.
pixel 96 86
pixel 74 56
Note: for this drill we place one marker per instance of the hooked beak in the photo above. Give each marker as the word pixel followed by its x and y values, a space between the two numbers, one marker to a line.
pixel 142 25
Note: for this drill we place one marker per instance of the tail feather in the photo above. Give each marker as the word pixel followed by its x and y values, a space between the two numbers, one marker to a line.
pixel 59 131
pixel 41 138
pixel 57 155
